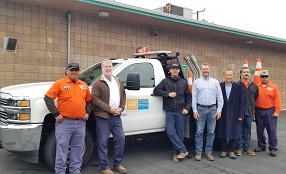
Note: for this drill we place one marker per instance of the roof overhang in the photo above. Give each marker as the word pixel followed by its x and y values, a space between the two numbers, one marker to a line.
pixel 161 20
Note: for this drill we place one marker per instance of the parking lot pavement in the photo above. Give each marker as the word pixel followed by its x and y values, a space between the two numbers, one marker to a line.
pixel 152 156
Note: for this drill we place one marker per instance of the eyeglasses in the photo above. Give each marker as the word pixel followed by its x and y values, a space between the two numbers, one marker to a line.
pixel 264 77
pixel 74 69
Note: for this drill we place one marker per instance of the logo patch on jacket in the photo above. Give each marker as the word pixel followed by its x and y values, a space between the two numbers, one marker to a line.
pixel 66 87
pixel 269 89
pixel 82 87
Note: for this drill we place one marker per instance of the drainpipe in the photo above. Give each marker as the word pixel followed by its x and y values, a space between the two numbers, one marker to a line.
pixel 69 15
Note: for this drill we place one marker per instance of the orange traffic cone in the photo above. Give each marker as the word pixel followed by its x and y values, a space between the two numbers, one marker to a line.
pixel 258 69
pixel 245 64
pixel 190 81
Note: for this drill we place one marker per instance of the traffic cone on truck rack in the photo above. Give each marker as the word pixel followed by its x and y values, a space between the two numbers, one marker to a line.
pixel 245 64
pixel 258 69
pixel 190 81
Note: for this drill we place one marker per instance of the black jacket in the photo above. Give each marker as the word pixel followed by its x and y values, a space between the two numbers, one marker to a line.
pixel 251 95
pixel 183 99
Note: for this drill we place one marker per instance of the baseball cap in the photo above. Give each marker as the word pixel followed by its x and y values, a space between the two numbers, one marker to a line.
pixel 73 65
pixel 264 73
pixel 174 65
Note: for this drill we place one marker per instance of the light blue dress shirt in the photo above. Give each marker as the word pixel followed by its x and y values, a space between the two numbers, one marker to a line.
pixel 228 89
pixel 206 91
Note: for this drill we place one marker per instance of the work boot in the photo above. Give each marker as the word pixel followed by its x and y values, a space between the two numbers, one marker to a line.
pixel 249 152
pixel 198 157
pixel 120 169
pixel 175 159
pixel 210 157
pixel 238 152
pixel 273 153
pixel 182 155
pixel 106 171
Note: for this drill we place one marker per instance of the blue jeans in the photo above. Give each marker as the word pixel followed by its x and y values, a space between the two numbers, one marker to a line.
pixel 175 123
pixel 207 116
pixel 103 129
pixel 243 141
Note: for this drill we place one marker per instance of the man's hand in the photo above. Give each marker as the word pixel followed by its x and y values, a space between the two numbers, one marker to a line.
pixel 85 117
pixel 59 118
pixel 239 119
pixel 113 111
pixel 172 94
pixel 196 115
pixel 275 115
pixel 218 115
pixel 185 111
pixel 118 111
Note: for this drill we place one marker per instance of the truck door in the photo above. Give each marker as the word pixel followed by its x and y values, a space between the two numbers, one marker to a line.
pixel 143 112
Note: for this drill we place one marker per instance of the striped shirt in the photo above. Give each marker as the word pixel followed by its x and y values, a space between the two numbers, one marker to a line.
pixel 206 91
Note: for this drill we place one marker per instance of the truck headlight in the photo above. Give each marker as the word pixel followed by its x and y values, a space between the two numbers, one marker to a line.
pixel 24 103
pixel 18 103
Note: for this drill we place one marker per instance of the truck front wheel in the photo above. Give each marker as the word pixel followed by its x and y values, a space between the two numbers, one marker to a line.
pixel 50 149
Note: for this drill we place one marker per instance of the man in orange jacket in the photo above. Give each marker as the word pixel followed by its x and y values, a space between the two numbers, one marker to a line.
pixel 267 110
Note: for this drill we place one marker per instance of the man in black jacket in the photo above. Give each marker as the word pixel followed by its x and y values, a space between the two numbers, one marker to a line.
pixel 250 92
pixel 177 101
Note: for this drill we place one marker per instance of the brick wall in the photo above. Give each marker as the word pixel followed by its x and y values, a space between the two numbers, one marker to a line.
pixel 42 45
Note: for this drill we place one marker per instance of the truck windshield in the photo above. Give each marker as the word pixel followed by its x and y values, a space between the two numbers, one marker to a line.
pixel 93 73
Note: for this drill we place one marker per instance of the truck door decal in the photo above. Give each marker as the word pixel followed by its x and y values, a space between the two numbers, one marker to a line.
pixel 134 104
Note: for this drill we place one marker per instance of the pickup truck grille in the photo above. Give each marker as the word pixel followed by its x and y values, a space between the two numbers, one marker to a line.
pixel 3 117
pixel 3 101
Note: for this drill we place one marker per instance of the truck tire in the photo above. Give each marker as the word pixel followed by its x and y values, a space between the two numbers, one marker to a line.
pixel 50 149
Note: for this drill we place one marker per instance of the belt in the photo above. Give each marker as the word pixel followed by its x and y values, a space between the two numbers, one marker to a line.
pixel 207 106
pixel 72 118
pixel 264 108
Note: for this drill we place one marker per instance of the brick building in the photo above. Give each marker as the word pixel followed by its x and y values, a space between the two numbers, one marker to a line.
pixel 41 27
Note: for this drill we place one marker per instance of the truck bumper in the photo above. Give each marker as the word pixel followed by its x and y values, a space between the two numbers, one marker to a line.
pixel 22 140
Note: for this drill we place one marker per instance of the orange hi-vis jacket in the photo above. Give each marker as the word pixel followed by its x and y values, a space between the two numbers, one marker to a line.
pixel 72 97
pixel 269 97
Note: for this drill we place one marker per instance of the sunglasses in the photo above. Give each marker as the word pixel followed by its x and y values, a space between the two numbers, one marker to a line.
pixel 264 77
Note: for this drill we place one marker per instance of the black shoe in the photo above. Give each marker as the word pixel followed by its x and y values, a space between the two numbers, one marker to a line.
pixel 259 149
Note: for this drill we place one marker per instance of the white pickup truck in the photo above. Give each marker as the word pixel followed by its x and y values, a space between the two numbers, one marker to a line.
pixel 27 127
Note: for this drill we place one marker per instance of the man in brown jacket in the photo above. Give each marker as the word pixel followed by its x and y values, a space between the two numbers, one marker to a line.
pixel 108 97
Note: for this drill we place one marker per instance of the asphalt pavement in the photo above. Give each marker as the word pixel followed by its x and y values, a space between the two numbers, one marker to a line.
pixel 151 155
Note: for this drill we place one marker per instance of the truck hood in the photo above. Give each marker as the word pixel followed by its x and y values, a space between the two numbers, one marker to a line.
pixel 27 90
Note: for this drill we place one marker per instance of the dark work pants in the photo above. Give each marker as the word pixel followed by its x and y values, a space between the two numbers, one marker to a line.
pixel 227 145
pixel 264 119
pixel 103 129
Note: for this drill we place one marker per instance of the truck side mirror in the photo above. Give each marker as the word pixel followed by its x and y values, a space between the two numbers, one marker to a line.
pixel 133 81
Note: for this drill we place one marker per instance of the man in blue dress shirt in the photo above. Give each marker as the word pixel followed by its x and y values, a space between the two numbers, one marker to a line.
pixel 207 103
